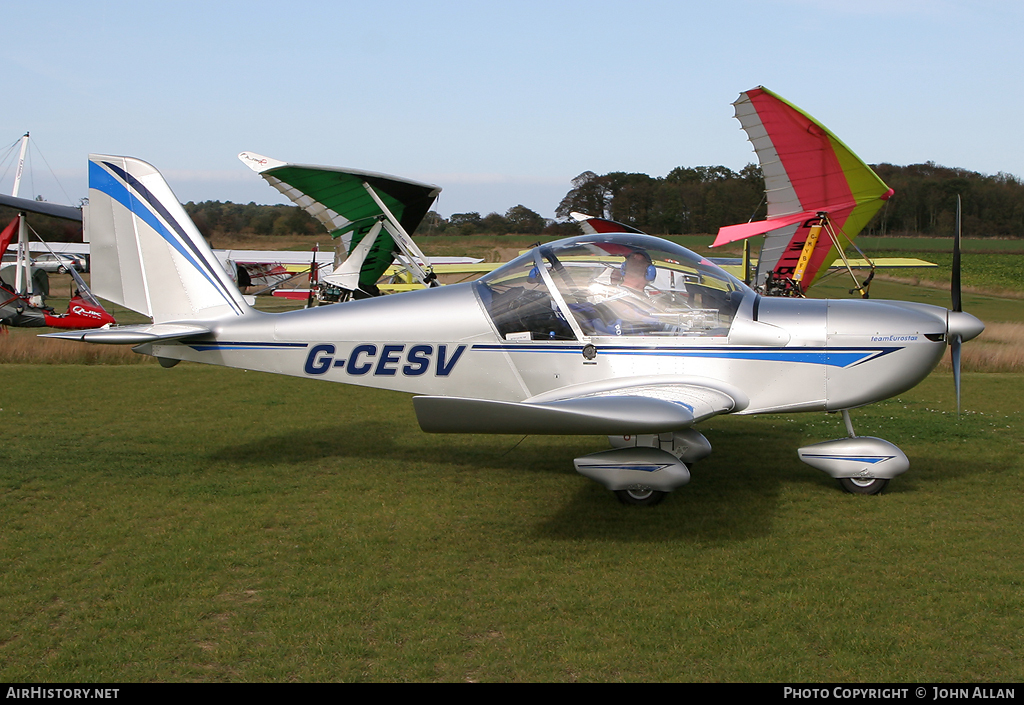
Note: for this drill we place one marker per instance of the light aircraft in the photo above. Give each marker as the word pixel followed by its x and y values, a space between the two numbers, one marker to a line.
pixel 24 288
pixel 617 334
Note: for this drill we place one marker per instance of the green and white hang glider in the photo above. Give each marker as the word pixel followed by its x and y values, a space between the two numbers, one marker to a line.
pixel 372 215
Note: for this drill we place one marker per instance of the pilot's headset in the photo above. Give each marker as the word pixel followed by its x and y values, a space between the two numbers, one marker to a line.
pixel 650 273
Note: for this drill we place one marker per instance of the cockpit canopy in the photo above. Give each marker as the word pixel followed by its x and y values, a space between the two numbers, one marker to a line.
pixel 610 285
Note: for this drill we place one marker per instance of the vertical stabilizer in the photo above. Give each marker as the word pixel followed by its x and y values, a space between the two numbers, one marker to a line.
pixel 147 255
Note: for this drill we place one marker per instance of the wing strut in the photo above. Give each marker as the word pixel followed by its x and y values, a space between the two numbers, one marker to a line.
pixel 859 287
pixel 404 242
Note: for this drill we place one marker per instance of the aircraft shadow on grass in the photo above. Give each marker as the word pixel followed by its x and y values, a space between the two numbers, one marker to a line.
pixel 736 498
pixel 729 503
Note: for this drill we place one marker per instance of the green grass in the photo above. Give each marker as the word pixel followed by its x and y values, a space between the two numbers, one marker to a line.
pixel 206 524
pixel 940 244
pixel 990 272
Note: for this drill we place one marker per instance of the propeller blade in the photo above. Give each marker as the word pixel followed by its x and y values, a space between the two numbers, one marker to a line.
pixel 954 352
pixel 954 290
pixel 954 286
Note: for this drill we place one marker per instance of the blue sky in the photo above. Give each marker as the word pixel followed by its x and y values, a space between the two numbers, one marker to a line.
pixel 497 103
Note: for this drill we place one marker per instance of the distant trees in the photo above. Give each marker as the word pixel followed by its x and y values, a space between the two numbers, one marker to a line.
pixel 215 217
pixel 925 202
pixel 518 219
pixel 704 198
pixel 49 229
pixel 688 200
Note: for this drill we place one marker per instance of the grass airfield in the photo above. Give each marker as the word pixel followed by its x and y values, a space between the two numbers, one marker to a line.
pixel 207 524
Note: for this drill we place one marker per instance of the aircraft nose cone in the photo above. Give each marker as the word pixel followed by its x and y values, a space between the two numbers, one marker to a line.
pixel 963 324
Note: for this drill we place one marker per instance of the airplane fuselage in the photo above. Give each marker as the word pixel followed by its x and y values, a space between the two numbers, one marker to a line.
pixel 780 354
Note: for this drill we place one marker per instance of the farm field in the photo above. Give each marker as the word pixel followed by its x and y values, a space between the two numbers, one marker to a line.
pixel 211 525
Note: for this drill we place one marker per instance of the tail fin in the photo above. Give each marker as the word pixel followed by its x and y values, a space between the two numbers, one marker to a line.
pixel 147 255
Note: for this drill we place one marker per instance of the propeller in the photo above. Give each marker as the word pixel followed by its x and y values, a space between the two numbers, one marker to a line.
pixel 960 326
pixel 954 288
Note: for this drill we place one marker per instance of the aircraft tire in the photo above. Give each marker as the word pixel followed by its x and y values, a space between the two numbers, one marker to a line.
pixel 856 485
pixel 640 498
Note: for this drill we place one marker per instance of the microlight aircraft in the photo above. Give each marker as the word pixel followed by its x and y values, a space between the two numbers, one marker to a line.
pixel 617 334
pixel 819 194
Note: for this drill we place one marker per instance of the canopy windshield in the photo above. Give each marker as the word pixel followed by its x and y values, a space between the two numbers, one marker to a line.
pixel 610 285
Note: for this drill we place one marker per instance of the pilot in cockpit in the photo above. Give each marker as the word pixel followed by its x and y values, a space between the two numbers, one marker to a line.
pixel 628 307
pixel 637 272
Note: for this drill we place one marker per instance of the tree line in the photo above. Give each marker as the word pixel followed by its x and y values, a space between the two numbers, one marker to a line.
pixel 925 202
pixel 689 200
pixel 702 199
pixel 214 217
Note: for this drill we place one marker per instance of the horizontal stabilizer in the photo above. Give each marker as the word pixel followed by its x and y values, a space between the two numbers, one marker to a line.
pixel 605 416
pixel 133 335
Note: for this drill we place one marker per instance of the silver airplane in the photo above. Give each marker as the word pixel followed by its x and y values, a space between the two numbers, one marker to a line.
pixel 617 334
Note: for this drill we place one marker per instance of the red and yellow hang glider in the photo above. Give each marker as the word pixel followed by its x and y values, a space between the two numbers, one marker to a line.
pixel 820 194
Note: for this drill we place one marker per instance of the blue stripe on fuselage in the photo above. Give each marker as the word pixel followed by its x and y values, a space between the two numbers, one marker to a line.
pixel 832 357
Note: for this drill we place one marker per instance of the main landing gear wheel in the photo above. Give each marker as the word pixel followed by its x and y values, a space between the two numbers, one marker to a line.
pixel 862 485
pixel 645 497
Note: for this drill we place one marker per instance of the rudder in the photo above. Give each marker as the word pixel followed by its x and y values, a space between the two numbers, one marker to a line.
pixel 147 254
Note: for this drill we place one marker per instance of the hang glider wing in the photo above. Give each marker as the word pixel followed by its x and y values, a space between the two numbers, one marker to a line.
pixel 807 171
pixel 636 408
pixel 593 226
pixel 53 210
pixel 8 233
pixel 355 206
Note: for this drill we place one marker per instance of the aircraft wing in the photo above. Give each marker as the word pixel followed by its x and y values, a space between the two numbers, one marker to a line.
pixel 734 265
pixel 641 408
pixel 341 199
pixel 807 170
pixel 285 258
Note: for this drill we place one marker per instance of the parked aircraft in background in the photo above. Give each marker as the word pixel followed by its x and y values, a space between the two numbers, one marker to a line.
pixel 617 334
pixel 24 284
pixel 820 196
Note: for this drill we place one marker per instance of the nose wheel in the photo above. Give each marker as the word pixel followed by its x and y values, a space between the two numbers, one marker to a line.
pixel 862 485
pixel 642 497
